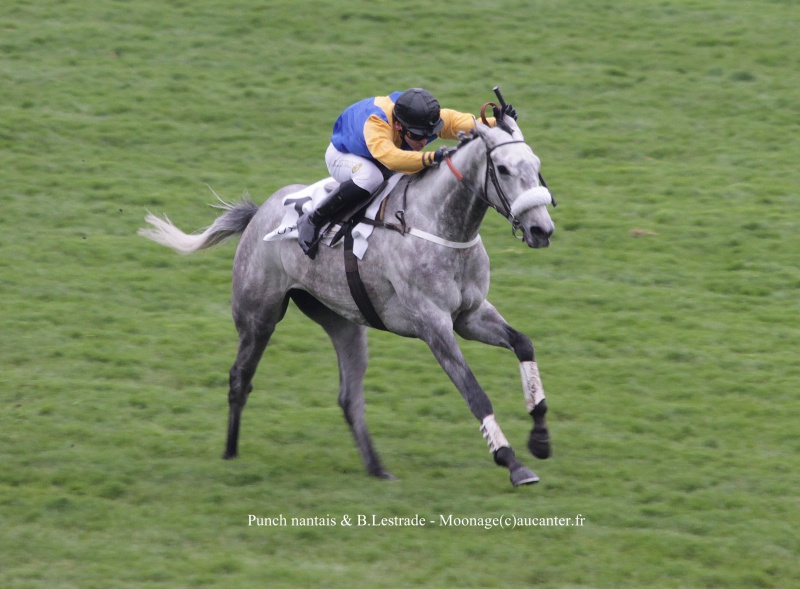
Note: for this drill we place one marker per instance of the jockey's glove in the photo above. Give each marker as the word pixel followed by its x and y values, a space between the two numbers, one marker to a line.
pixel 506 111
pixel 440 154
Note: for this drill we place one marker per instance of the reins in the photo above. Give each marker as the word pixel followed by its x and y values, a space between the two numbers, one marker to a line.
pixel 491 175
pixel 505 207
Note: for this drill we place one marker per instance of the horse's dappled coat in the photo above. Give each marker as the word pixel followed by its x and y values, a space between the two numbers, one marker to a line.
pixel 420 289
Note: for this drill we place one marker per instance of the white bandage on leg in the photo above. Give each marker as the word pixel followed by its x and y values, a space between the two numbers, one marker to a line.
pixel 493 434
pixel 531 384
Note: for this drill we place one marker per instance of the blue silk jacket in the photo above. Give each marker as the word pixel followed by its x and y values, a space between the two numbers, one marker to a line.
pixel 366 128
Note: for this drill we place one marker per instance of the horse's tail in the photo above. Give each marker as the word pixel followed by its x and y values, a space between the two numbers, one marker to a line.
pixel 232 222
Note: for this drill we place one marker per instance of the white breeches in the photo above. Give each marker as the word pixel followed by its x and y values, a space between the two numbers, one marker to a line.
pixel 348 166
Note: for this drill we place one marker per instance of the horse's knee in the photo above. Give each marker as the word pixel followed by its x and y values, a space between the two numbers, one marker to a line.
pixel 521 345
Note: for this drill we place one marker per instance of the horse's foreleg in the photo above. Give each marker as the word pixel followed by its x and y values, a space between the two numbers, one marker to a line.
pixel 443 344
pixel 350 342
pixel 486 325
pixel 539 439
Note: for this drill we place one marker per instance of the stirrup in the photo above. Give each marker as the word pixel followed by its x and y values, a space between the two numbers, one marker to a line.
pixel 345 196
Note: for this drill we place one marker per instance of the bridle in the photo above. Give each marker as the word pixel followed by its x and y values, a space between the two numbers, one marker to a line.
pixel 504 208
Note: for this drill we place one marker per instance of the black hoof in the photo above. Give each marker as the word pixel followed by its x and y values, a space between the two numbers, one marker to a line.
pixel 523 476
pixel 520 474
pixel 228 456
pixel 539 444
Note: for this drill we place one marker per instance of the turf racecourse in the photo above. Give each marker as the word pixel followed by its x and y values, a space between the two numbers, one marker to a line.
pixel 665 314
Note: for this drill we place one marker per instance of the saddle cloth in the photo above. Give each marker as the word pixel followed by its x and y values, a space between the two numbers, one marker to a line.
pixel 307 199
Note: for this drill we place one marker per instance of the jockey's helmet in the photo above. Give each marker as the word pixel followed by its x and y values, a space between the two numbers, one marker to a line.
pixel 418 112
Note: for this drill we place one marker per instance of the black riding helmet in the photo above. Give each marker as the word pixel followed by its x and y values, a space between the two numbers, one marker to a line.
pixel 418 112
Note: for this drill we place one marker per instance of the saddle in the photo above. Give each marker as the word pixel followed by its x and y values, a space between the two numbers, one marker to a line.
pixel 352 228
pixel 359 220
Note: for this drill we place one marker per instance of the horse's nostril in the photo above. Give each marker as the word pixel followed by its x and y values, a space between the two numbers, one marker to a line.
pixel 537 231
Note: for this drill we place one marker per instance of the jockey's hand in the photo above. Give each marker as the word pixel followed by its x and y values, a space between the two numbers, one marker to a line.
pixel 506 111
pixel 440 154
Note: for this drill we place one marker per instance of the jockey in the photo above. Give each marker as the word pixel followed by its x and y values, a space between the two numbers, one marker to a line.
pixel 374 138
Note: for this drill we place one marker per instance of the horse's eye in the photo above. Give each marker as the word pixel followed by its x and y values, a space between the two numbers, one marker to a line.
pixel 503 170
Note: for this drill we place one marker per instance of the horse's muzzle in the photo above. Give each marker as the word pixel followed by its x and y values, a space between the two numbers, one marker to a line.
pixel 537 237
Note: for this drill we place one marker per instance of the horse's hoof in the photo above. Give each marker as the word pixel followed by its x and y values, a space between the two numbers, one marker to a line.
pixel 539 444
pixel 384 475
pixel 523 476
pixel 228 456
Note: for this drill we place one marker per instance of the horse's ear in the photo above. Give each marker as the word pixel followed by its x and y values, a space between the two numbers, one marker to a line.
pixel 514 128
pixel 508 125
pixel 481 129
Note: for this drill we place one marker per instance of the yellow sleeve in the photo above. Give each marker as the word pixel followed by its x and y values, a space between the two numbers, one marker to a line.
pixel 455 121
pixel 383 143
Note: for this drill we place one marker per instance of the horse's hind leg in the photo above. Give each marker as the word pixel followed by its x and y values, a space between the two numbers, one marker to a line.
pixel 350 342
pixel 486 325
pixel 255 331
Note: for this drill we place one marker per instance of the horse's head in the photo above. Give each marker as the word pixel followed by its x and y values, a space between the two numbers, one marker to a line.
pixel 513 184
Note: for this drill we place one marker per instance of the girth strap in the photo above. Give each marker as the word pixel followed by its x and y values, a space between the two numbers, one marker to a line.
pixel 357 289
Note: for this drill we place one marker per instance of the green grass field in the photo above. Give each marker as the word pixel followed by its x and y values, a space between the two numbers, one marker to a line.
pixel 665 314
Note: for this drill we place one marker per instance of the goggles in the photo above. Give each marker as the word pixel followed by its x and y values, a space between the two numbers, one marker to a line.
pixel 415 136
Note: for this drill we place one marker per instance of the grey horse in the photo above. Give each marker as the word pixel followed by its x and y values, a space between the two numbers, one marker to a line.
pixel 427 282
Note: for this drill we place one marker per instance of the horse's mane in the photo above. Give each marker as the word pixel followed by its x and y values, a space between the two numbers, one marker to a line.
pixel 464 138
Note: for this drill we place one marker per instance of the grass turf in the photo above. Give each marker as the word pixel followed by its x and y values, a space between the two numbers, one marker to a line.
pixel 665 314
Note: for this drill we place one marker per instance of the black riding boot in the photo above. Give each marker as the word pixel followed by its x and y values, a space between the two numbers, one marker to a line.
pixel 343 198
